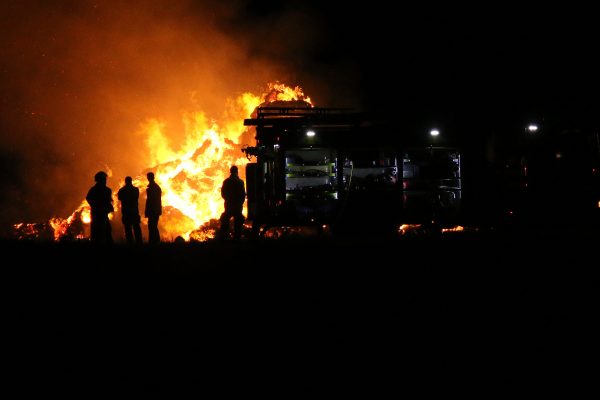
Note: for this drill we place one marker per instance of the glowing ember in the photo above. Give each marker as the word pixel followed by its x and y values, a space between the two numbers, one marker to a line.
pixel 418 229
pixel 37 231
pixel 457 228
pixel 277 232
pixel 191 178
pixel 405 228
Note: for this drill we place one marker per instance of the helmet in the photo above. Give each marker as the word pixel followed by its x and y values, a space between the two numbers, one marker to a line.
pixel 233 169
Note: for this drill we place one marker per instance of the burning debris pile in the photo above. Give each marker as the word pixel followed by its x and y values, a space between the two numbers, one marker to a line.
pixel 33 231
pixel 75 227
pixel 190 178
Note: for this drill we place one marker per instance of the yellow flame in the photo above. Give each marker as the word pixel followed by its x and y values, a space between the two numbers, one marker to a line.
pixel 191 177
pixel 86 216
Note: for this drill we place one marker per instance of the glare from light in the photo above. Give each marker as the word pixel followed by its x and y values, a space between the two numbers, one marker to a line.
pixel 434 132
pixel 532 128
pixel 310 133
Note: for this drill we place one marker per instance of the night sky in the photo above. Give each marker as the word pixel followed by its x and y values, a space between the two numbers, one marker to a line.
pixel 78 77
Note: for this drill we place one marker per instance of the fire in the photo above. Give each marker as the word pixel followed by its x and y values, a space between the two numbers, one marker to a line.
pixel 416 229
pixel 73 225
pixel 191 177
pixel 281 92
pixel 405 228
pixel 457 228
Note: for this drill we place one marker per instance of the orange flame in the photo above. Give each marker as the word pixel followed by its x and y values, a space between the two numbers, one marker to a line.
pixel 191 177
pixel 72 226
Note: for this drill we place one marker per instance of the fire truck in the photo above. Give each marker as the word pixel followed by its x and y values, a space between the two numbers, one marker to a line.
pixel 337 169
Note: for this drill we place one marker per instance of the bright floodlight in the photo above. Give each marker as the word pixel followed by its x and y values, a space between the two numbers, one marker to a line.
pixel 434 132
pixel 532 128
pixel 310 133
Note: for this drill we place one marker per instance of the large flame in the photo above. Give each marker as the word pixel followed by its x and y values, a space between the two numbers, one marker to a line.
pixel 191 177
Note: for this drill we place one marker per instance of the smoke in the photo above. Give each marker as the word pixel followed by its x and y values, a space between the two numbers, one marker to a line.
pixel 79 78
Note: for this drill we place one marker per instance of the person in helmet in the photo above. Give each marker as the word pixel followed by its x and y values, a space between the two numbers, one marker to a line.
pixel 99 198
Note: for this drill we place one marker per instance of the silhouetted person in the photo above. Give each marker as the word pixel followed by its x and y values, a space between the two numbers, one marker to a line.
pixel 99 198
pixel 233 192
pixel 153 208
pixel 128 196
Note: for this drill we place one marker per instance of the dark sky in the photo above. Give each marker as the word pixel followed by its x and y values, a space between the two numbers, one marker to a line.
pixel 493 58
pixel 78 77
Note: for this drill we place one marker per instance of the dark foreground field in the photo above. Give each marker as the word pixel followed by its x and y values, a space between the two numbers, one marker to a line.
pixel 511 312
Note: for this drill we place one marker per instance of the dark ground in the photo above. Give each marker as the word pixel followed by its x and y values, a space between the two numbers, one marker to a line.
pixel 511 312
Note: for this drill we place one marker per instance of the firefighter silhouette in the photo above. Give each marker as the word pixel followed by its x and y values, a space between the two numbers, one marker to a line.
pixel 99 198
pixel 129 195
pixel 233 193
pixel 153 208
